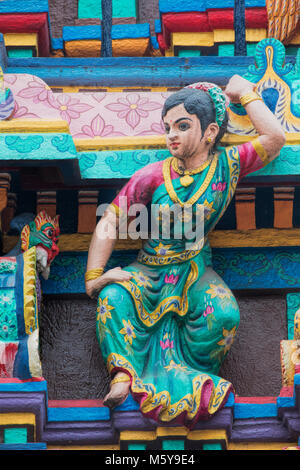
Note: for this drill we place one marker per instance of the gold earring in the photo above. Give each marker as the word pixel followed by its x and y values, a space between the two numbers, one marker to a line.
pixel 209 140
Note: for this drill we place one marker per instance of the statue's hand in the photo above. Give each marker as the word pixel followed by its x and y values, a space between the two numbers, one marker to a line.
pixel 112 275
pixel 237 87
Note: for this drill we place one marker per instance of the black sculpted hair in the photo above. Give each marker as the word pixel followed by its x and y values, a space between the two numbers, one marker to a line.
pixel 196 102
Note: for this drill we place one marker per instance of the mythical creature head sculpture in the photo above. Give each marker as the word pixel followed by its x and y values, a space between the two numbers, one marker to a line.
pixel 42 232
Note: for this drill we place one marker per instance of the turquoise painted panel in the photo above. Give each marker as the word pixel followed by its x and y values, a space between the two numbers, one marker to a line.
pixel 137 446
pixel 293 304
pixel 120 9
pixel 124 31
pixel 170 444
pixel 37 147
pixel 15 436
pixel 212 446
pixel 19 52
pixel 226 50
pixel 123 164
pixel 189 53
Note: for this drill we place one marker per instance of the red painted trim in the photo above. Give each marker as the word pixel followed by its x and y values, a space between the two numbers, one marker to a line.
pixel 19 381
pixel 209 20
pixel 28 23
pixel 256 400
pixel 75 404
pixel 287 391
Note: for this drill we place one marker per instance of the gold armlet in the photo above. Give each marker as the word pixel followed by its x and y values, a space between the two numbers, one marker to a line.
pixel 249 97
pixel 92 274
pixel 118 380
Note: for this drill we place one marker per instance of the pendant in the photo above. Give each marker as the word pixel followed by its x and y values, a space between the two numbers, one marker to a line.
pixel 186 180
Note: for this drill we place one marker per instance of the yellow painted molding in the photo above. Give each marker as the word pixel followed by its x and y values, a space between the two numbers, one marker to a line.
pixel 193 39
pixel 31 126
pixel 159 142
pixel 255 35
pixel 258 238
pixel 137 436
pixel 224 35
pixel 75 89
pixel 260 445
pixel 90 48
pixel 292 138
pixel 171 431
pixel 209 38
pixel 208 435
pixel 120 143
pixel 17 419
pixel 21 39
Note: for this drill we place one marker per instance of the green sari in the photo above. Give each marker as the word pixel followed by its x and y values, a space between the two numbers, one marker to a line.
pixel 171 326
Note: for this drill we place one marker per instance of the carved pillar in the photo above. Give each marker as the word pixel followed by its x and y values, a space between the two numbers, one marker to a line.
pixel 283 207
pixel 87 208
pixel 9 212
pixel 46 200
pixel 245 208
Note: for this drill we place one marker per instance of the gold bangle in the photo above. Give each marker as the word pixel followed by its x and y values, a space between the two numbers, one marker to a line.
pixel 249 97
pixel 118 380
pixel 92 274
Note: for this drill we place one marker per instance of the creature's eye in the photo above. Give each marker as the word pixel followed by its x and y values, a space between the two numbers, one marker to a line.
pixel 183 126
pixel 49 232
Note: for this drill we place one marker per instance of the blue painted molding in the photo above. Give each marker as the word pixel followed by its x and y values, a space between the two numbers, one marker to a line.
pixel 28 446
pixel 57 43
pixel 241 268
pixel 68 414
pixel 132 31
pixel 254 410
pixel 21 6
pixel 178 6
pixel 20 387
pixel 133 71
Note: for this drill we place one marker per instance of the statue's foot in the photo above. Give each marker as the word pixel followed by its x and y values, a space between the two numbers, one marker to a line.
pixel 119 390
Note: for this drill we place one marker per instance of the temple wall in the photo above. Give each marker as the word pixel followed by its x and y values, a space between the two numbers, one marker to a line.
pixel 74 369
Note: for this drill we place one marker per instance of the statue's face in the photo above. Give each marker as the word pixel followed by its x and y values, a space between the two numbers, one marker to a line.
pixel 183 133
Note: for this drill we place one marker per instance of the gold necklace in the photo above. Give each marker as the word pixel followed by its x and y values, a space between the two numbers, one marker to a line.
pixel 186 179
pixel 201 190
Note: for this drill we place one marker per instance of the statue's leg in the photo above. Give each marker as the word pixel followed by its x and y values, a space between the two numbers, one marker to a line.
pixel 117 332
pixel 211 324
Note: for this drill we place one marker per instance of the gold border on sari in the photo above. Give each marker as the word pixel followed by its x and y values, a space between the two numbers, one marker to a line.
pixel 174 303
pixel 190 403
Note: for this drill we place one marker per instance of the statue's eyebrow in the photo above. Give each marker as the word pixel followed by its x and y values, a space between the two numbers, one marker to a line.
pixel 183 119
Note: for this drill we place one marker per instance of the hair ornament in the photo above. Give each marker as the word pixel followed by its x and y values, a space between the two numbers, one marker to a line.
pixel 219 98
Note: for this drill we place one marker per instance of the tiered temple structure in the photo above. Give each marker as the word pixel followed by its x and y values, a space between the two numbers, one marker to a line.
pixel 74 127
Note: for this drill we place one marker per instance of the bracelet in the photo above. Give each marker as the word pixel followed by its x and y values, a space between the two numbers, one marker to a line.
pixel 249 97
pixel 118 380
pixel 92 274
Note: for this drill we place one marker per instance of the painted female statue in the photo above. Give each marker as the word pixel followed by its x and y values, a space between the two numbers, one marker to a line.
pixel 166 322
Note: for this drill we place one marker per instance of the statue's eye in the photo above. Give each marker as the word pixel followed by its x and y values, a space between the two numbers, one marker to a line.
pixel 184 126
